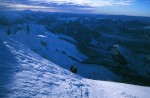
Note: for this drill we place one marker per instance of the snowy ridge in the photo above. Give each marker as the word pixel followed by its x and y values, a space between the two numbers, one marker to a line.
pixel 37 77
pixel 27 74
pixel 60 49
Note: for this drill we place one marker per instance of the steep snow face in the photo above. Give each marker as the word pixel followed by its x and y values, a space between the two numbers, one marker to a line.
pixel 26 74
pixel 60 49
pixel 23 73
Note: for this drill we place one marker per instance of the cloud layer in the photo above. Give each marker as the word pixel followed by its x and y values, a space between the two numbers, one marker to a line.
pixel 77 6
pixel 88 2
pixel 68 5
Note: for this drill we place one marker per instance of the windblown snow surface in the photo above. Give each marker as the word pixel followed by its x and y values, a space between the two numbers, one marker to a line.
pixel 25 74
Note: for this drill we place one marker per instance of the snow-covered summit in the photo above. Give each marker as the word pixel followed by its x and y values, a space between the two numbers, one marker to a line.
pixel 24 73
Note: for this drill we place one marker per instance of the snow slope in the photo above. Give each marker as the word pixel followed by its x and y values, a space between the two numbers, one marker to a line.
pixel 25 74
pixel 60 49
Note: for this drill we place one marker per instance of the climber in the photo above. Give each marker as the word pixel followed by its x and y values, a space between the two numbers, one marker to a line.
pixel 73 69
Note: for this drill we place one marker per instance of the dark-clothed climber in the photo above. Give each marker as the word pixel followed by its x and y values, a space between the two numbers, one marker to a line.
pixel 73 69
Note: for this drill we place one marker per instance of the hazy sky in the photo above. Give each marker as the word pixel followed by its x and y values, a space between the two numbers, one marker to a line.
pixel 119 7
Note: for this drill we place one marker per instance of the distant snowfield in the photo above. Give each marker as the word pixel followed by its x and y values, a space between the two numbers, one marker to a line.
pixel 49 45
pixel 25 74
pixel 68 19
pixel 41 36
